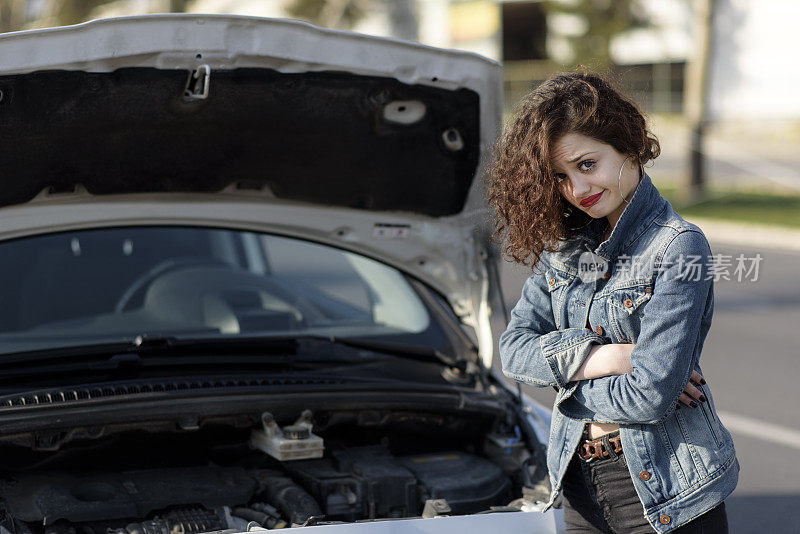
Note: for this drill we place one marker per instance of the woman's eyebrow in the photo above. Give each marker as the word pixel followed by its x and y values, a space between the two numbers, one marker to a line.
pixel 576 158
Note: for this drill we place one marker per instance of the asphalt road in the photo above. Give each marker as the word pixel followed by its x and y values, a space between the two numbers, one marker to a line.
pixel 752 364
pixel 744 158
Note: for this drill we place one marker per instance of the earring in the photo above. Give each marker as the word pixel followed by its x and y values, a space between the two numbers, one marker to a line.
pixel 569 213
pixel 619 178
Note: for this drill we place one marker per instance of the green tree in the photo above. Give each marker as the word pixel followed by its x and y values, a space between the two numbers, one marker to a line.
pixel 345 14
pixel 75 11
pixel 339 14
pixel 18 14
pixel 13 14
pixel 603 20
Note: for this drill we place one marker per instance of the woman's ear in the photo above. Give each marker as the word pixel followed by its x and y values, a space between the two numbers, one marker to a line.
pixel 636 160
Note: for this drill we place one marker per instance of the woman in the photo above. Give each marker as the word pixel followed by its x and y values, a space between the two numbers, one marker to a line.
pixel 614 315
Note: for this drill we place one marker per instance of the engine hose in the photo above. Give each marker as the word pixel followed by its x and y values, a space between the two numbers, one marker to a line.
pixel 295 504
pixel 265 520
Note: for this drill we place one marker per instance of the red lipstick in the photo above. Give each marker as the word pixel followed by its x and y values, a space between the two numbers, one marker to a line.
pixel 586 202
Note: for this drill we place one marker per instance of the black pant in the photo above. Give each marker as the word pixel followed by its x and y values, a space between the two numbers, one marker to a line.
pixel 599 497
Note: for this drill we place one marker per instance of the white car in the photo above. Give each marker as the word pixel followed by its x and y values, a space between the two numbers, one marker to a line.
pixel 247 284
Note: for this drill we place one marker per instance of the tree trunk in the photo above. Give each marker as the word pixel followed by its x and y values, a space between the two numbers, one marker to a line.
pixel 12 15
pixel 696 108
pixel 403 20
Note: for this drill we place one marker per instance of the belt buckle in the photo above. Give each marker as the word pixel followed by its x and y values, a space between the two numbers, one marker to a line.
pixel 597 450
pixel 594 448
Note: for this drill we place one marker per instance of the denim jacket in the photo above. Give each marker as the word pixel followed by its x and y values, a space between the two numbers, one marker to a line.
pixel 657 291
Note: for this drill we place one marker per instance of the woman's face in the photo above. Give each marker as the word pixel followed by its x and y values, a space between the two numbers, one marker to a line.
pixel 588 171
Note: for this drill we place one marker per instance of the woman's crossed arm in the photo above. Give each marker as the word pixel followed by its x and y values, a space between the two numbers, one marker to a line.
pixel 615 359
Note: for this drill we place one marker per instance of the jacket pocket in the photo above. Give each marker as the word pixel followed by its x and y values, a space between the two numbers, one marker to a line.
pixel 701 439
pixel 712 419
pixel 711 425
pixel 557 282
pixel 625 309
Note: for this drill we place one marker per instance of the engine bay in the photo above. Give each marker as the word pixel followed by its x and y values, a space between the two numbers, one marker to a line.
pixel 216 478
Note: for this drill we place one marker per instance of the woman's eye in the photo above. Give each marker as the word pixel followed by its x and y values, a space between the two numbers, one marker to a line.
pixel 586 165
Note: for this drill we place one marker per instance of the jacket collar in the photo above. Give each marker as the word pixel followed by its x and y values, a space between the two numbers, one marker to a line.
pixel 637 216
pixel 645 205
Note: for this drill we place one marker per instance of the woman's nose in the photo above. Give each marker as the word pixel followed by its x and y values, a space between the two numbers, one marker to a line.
pixel 580 188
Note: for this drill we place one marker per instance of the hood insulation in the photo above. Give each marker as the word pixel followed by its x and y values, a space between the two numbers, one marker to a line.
pixel 319 137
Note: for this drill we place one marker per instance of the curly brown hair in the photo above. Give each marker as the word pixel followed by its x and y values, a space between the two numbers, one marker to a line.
pixel 529 211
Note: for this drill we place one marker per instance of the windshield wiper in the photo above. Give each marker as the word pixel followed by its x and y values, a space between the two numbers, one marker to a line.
pixel 401 350
pixel 304 345
pixel 297 345
pixel 306 348
pixel 156 344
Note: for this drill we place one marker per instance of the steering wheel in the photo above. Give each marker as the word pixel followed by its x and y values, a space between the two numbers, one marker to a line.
pixel 140 284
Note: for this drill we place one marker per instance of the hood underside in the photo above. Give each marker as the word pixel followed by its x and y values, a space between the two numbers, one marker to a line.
pixel 325 138
pixel 372 144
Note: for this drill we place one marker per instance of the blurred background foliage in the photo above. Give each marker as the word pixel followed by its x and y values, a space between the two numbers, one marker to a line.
pixel 597 23
pixel 341 14
pixel 711 74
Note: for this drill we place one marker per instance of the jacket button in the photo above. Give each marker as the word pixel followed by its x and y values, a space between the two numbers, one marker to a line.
pixel 628 303
pixel 665 519
pixel 606 275
pixel 599 330
pixel 552 281
pixel 644 475
pixel 648 289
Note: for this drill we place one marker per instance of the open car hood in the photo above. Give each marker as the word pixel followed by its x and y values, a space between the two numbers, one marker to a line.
pixel 371 144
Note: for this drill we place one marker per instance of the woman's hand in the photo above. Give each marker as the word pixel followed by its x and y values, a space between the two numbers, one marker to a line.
pixel 691 395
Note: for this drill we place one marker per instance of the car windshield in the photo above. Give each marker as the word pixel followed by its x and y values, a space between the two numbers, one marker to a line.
pixel 111 285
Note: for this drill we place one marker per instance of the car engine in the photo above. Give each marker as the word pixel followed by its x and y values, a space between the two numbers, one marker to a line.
pixel 219 478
